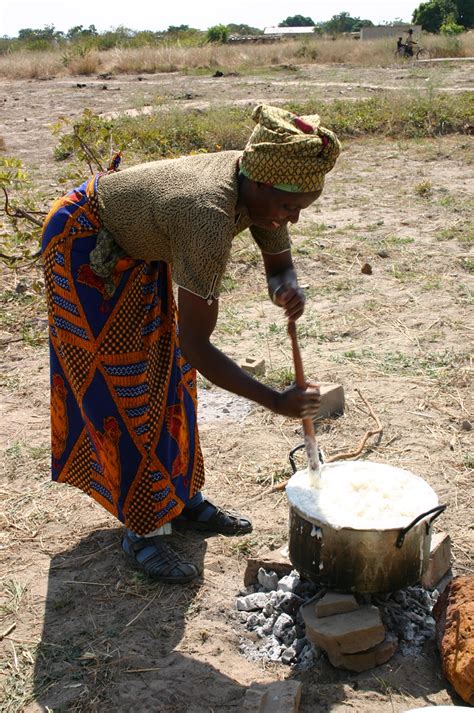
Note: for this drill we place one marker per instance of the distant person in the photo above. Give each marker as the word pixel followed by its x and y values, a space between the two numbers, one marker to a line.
pixel 409 43
pixel 400 45
pixel 123 375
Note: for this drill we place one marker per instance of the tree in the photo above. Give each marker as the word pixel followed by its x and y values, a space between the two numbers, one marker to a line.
pixel 174 29
pixel 465 13
pixel 218 33
pixel 358 23
pixel 436 13
pixel 47 34
pixel 297 21
pixel 79 31
pixel 243 29
pixel 344 23
pixel 431 15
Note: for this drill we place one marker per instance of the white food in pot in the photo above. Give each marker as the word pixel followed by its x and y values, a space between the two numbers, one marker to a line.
pixel 362 495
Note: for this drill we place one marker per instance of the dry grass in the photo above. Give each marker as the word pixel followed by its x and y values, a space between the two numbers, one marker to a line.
pixel 30 65
pixel 242 58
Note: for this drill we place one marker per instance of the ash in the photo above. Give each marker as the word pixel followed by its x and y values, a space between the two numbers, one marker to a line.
pixel 407 614
pixel 274 628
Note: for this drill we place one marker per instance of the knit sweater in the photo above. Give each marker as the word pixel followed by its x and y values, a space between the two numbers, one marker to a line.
pixel 182 211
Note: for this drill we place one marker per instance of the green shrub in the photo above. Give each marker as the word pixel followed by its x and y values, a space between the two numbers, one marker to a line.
pixel 218 34
pixel 451 28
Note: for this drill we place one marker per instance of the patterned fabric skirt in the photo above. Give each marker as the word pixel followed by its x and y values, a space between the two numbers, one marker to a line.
pixel 123 398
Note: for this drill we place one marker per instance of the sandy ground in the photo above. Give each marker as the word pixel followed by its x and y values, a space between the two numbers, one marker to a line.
pixel 90 634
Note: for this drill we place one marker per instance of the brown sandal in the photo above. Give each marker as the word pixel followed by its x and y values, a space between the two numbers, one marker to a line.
pixel 221 522
pixel 163 564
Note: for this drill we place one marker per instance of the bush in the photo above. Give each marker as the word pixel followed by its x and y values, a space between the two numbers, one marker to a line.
pixel 218 34
pixel 451 27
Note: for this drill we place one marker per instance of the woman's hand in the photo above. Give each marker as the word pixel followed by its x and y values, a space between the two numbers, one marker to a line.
pixel 283 285
pixel 298 403
pixel 290 298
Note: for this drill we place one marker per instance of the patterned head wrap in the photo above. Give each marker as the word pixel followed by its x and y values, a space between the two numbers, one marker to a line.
pixel 289 152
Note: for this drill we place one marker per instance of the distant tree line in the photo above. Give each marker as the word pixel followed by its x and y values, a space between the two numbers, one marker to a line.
pixel 338 24
pixel 447 16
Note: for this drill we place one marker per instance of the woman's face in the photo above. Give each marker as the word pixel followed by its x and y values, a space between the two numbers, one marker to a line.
pixel 271 208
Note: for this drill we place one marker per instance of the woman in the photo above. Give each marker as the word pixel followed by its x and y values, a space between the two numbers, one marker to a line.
pixel 123 382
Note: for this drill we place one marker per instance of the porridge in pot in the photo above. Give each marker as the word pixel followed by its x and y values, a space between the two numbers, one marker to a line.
pixel 361 495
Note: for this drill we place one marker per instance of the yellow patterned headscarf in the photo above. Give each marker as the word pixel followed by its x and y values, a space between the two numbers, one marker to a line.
pixel 289 152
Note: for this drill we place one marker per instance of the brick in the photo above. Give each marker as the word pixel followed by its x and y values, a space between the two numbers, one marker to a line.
pixel 440 560
pixel 255 699
pixel 276 697
pixel 365 660
pixel 347 633
pixel 253 366
pixel 332 401
pixel 454 614
pixel 271 561
pixel 283 697
pixel 334 603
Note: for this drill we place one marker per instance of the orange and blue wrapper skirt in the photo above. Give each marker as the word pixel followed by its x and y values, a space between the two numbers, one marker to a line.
pixel 123 398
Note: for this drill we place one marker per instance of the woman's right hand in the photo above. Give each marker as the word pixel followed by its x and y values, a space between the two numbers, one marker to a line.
pixel 298 403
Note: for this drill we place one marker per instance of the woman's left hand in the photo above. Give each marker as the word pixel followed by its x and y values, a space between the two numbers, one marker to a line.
pixel 290 298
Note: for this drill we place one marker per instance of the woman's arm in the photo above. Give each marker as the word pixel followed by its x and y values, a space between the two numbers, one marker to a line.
pixel 283 284
pixel 197 321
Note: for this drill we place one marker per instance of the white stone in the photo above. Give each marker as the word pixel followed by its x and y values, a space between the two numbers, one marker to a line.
pixel 268 580
pixel 252 602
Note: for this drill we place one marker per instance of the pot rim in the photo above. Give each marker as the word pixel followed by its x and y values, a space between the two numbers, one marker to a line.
pixel 406 522
pixel 322 523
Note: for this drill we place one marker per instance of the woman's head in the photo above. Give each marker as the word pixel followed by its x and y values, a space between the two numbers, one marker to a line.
pixel 283 165
pixel 289 152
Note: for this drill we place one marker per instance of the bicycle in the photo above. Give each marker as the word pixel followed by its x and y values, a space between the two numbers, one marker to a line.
pixel 421 53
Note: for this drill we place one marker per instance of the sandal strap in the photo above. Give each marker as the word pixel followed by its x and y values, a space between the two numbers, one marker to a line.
pixel 220 521
pixel 162 561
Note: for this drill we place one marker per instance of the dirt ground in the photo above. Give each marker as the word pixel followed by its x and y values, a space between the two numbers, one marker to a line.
pixel 90 634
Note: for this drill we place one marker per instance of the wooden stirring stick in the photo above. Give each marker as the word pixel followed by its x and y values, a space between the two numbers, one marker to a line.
pixel 308 427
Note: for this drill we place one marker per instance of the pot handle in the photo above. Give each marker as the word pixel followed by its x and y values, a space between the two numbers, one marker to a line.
pixel 437 512
pixel 299 448
pixel 292 458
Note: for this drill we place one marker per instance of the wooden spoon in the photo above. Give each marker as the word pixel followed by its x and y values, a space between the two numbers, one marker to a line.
pixel 308 427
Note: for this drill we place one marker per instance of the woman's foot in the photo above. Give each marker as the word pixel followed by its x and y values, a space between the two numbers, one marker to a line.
pixel 155 558
pixel 207 517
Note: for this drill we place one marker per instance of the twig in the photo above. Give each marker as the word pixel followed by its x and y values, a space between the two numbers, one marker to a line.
pixel 4 342
pixel 375 432
pixel 94 584
pixel 15 658
pixel 145 607
pixel 86 558
pixel 90 155
pixel 19 212
pixel 348 454
pixel 8 631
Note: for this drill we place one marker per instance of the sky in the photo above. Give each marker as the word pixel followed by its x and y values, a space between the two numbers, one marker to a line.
pixel 201 14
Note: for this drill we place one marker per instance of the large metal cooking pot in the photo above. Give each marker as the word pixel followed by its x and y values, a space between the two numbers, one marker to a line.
pixel 354 560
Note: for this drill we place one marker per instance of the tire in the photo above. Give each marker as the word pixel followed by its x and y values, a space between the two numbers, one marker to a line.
pixel 423 53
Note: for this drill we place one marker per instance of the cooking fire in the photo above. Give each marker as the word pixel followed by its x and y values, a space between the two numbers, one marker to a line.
pixel 363 573
pixel 293 621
